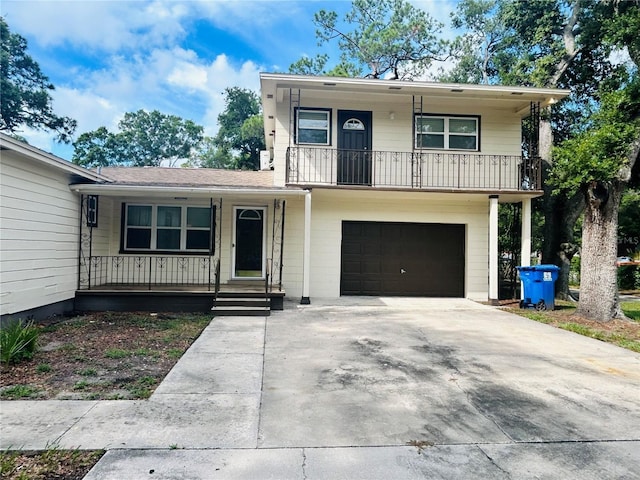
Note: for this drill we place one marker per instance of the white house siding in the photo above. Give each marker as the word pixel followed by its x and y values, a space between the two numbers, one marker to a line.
pixel 39 217
pixel 331 207
pixel 500 130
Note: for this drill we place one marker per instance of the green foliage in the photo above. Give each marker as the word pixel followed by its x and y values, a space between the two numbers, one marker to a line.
pixel 485 36
pixel 629 277
pixel 19 391
pixel 25 99
pixel 117 353
pixel 18 341
pixel 144 139
pixel 241 133
pixel 629 223
pixel 600 153
pixel 387 38
pixel 43 368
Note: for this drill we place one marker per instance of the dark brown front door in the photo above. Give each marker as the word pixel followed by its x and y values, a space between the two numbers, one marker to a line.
pixel 354 147
pixel 402 259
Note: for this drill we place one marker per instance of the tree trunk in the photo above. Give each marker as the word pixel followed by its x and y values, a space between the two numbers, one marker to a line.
pixel 598 281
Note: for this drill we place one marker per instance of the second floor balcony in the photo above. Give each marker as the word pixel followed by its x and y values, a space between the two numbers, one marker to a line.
pixel 424 170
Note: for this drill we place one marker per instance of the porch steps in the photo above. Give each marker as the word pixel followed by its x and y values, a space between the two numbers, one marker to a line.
pixel 242 306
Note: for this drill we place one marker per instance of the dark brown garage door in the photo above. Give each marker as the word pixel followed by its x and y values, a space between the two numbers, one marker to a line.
pixel 410 259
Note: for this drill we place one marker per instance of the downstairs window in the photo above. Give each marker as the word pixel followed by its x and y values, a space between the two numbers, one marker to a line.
pixel 167 228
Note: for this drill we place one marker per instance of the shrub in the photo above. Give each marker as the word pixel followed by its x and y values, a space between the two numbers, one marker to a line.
pixel 18 341
pixel 629 277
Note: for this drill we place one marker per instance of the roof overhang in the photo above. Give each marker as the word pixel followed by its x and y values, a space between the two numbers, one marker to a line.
pixel 191 192
pixel 517 99
pixel 33 153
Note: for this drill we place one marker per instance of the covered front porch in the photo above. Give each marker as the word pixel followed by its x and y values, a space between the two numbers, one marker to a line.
pixel 168 249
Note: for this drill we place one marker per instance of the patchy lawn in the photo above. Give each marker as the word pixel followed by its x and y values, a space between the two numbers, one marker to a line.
pixel 102 356
pixel 625 334
pixel 51 464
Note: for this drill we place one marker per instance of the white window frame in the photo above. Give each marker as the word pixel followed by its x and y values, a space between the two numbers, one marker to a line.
pixel 446 133
pixel 326 112
pixel 184 228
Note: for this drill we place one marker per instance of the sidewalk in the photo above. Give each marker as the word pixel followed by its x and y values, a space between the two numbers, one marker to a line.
pixel 385 389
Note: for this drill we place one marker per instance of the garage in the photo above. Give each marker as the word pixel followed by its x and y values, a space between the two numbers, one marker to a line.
pixel 402 259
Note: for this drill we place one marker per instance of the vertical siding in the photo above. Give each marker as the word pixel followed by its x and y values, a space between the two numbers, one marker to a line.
pixel 39 216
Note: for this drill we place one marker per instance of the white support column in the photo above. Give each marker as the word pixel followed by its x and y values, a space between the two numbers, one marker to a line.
pixel 493 249
pixel 306 254
pixel 525 242
pixel 525 247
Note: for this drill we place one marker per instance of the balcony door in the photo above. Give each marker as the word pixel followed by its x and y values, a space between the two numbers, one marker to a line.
pixel 249 242
pixel 354 147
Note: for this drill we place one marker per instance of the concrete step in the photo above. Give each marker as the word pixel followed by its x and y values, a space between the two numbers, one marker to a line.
pixel 242 307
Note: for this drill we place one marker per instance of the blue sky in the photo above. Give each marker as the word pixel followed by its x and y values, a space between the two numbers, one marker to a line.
pixel 109 57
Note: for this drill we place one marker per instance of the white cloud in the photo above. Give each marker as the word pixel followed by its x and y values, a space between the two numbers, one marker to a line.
pixel 96 25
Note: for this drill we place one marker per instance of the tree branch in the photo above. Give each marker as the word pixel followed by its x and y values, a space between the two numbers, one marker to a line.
pixel 569 39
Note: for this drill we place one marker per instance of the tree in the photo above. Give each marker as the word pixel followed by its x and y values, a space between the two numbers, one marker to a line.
pixel 145 139
pixel 208 155
pixel 387 38
pixel 25 99
pixel 598 162
pixel 547 43
pixel 241 133
pixel 485 36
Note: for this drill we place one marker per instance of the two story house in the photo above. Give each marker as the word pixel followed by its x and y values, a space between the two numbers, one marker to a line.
pixel 369 187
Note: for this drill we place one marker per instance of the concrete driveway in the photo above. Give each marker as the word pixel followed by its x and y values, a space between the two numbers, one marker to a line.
pixel 372 388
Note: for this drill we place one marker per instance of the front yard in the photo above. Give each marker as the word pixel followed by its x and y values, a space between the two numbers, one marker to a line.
pixel 625 334
pixel 102 356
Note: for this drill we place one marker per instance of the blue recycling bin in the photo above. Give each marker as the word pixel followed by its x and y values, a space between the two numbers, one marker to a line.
pixel 538 284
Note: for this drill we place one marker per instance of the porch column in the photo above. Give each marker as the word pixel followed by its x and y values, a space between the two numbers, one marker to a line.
pixel 306 254
pixel 493 249
pixel 525 245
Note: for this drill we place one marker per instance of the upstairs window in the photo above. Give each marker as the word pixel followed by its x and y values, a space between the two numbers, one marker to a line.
pixel 447 133
pixel 313 126
pixel 167 228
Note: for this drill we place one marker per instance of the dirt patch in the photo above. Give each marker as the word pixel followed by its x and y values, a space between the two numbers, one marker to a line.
pixel 102 356
pixel 52 464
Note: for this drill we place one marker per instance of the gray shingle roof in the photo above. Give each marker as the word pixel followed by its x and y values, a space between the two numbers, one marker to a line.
pixel 187 177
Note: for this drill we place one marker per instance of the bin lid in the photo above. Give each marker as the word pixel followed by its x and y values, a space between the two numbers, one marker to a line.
pixel 539 268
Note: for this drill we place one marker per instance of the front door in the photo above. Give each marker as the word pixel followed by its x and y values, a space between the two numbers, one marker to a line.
pixel 354 147
pixel 249 242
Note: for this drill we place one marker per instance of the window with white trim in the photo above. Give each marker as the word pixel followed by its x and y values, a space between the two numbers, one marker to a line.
pixel 313 126
pixel 167 228
pixel 447 133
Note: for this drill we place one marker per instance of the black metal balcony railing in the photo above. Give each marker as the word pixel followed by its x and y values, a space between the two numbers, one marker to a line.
pixel 420 169
pixel 147 271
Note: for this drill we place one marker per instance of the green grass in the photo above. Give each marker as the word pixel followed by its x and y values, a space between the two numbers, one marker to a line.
pixel 88 372
pixel 117 353
pixel 19 391
pixel 175 352
pixel 47 464
pixel 43 368
pixel 631 310
pixel 141 388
